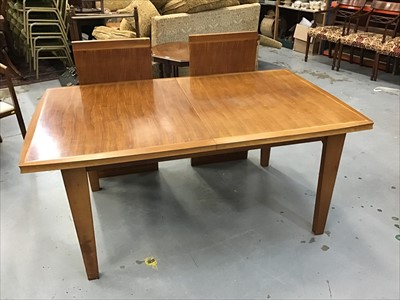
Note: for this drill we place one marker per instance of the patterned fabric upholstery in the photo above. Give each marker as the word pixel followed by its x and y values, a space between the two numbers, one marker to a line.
pixel 391 47
pixel 366 40
pixel 329 33
pixel 373 41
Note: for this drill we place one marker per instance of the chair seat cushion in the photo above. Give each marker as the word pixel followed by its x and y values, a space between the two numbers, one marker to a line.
pixel 391 47
pixel 5 108
pixel 329 33
pixel 366 40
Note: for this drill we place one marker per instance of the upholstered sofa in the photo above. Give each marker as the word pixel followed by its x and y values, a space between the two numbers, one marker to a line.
pixel 177 27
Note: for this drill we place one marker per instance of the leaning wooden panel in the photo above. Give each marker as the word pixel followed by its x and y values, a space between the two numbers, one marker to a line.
pixel 112 60
pixel 222 53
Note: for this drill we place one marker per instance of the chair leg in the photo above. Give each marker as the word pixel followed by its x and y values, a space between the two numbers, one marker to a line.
pixel 362 57
pixel 1 140
pixel 329 49
pixel 351 55
pixel 339 57
pixel 21 124
pixel 375 67
pixel 335 55
pixel 307 47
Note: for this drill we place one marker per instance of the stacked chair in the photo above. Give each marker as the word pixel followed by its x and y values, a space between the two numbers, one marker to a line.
pixel 379 35
pixel 40 30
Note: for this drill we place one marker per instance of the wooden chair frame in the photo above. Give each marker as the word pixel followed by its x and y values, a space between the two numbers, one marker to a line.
pixel 339 21
pixel 382 24
pixel 17 110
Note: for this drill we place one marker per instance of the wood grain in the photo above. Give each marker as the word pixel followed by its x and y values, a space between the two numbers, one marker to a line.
pixel 246 109
pixel 77 188
pixel 222 53
pixel 330 159
pixel 112 60
pixel 154 119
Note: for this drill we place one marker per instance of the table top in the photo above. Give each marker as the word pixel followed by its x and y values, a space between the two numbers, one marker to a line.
pixel 83 126
pixel 174 52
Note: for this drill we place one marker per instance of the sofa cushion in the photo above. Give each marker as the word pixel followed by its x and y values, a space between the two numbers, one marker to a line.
pixel 113 5
pixel 146 10
pixel 107 33
pixel 248 1
pixel 126 25
pixel 203 5
pixel 174 7
pixel 177 27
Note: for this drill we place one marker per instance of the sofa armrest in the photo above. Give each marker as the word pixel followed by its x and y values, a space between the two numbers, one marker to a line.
pixel 178 27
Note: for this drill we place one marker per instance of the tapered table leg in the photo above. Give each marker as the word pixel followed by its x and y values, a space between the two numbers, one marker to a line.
pixel 77 188
pixel 330 159
pixel 94 180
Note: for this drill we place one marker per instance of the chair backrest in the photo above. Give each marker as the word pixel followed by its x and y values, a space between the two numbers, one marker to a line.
pixel 344 9
pixel 385 18
pixel 112 60
pixel 15 109
pixel 222 53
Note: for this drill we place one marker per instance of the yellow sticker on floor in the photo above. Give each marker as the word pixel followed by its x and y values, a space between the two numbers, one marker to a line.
pixel 151 261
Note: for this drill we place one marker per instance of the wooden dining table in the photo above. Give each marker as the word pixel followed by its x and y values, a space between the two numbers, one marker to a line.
pixel 75 129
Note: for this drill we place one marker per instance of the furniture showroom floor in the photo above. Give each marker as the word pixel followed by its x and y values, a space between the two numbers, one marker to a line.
pixel 229 231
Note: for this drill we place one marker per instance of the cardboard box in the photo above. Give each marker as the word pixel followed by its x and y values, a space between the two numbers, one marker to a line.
pixel 300 40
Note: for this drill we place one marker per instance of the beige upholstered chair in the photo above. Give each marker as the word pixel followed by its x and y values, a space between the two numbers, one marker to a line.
pixel 113 61
pixel 9 109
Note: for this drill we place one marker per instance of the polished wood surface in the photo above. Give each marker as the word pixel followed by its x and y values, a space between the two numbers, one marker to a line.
pixel 222 53
pixel 171 56
pixel 82 126
pixel 218 54
pixel 174 52
pixel 112 60
pixel 76 129
pixel 77 188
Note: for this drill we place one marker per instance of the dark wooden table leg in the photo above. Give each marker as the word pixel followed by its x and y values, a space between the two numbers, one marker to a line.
pixel 161 69
pixel 77 188
pixel 167 69
pixel 330 159
pixel 265 154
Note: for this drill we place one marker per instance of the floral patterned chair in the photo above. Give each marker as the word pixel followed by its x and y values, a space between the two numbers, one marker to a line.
pixel 391 48
pixel 339 16
pixel 381 27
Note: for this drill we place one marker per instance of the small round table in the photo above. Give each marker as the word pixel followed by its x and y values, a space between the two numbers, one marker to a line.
pixel 171 56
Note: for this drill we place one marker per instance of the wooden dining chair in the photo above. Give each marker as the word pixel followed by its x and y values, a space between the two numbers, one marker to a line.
pixel 107 61
pixel 338 24
pixel 9 109
pixel 382 26
pixel 218 54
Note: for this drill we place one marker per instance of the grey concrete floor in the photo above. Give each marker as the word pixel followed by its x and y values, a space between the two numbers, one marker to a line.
pixel 227 231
